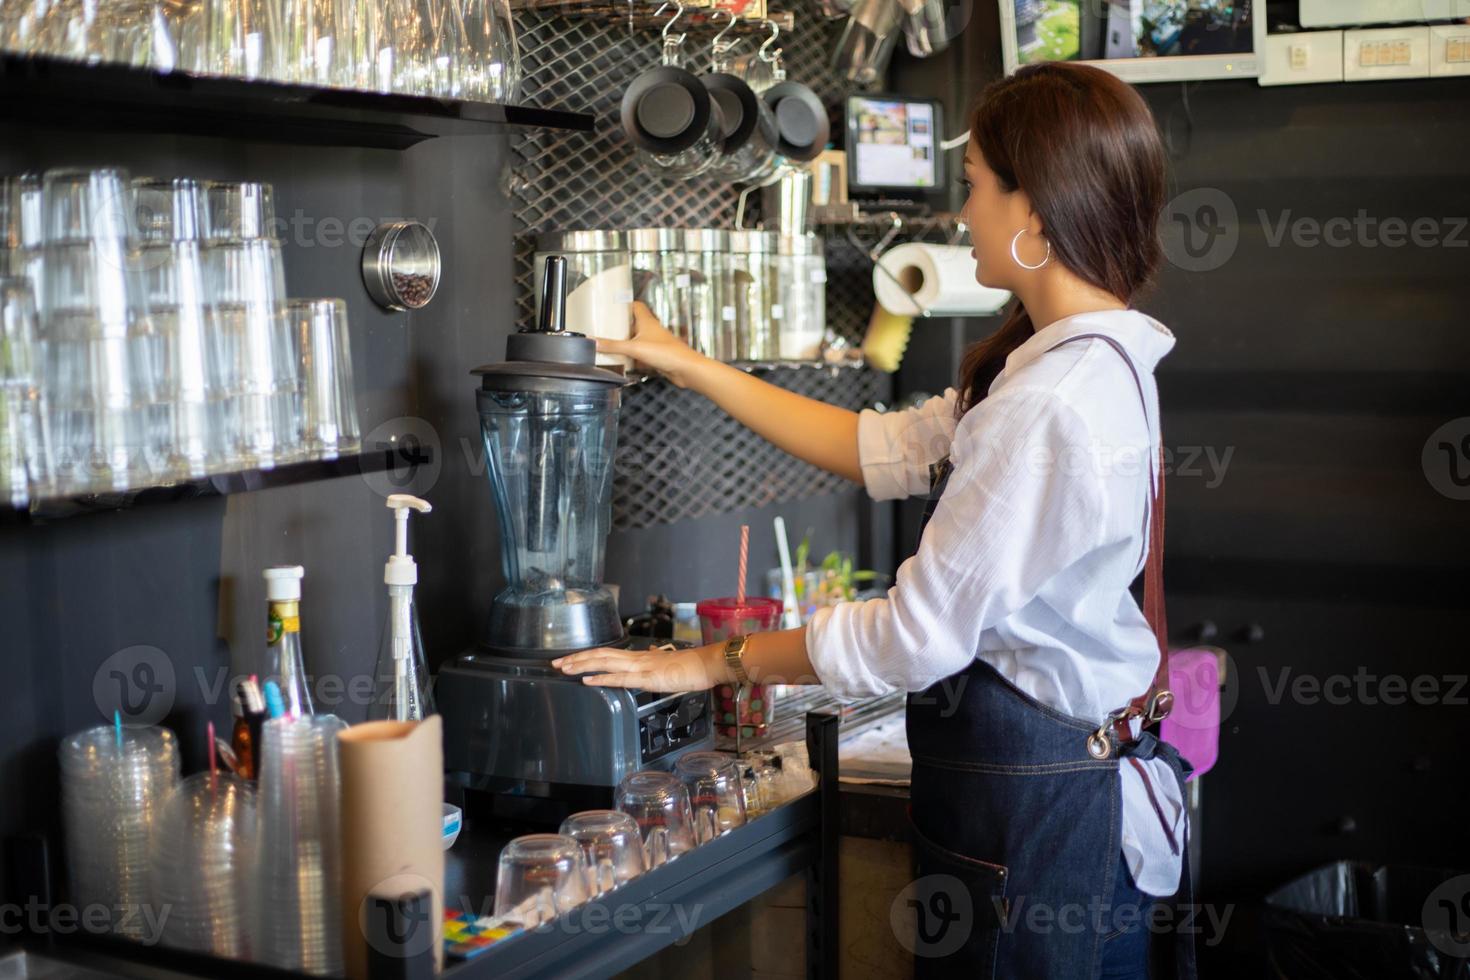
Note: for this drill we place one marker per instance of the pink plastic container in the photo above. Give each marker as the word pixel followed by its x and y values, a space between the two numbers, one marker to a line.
pixel 720 619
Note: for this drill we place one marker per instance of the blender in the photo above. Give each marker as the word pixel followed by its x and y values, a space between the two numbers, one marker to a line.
pixel 514 725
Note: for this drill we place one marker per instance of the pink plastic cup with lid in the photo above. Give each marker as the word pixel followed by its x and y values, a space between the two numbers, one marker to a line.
pixel 720 619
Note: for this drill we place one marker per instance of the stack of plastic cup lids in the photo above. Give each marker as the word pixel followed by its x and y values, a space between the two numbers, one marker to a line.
pixel 203 859
pixel 114 785
pixel 298 892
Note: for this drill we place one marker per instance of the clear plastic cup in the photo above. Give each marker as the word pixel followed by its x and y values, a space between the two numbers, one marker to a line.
pixel 316 42
pixel 760 778
pixel 297 885
pixel 203 855
pixel 659 803
pixel 194 401
pixel 113 792
pixel 104 367
pixel 86 205
pixel 256 355
pixel 329 425
pixel 20 212
pixel 239 210
pixel 25 469
pixel 611 845
pixel 540 876
pixel 715 792
pixel 169 210
pixel 243 38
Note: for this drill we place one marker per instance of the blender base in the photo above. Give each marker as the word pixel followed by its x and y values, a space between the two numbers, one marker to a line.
pixel 518 727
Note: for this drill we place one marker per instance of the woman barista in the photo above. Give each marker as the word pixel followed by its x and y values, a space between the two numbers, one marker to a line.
pixel 1032 784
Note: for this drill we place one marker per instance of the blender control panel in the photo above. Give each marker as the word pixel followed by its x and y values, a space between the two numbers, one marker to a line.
pixel 672 722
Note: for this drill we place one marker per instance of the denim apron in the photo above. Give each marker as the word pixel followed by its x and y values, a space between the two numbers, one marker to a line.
pixel 1017 824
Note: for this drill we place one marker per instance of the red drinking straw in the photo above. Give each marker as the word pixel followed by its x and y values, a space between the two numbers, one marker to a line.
pixel 744 557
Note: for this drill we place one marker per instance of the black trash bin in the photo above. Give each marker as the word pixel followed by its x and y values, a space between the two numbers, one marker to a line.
pixel 1356 921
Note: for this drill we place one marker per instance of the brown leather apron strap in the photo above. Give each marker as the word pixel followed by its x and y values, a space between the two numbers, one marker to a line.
pixel 1157 701
pixel 1153 704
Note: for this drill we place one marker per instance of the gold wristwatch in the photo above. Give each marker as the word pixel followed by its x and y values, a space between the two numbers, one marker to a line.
pixel 734 657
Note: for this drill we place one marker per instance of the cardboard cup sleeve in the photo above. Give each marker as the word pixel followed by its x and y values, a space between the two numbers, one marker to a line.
pixel 392 824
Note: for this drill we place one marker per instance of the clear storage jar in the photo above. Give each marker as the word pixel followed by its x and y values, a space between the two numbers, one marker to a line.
pixel 801 312
pixel 756 287
pixel 702 292
pixel 599 284
pixel 657 256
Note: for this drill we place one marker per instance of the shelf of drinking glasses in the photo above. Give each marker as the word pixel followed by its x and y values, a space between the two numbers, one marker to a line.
pixel 401 461
pixel 118 98
pixel 613 932
pixel 601 937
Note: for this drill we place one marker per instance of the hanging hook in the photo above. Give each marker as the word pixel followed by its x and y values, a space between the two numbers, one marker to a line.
pixel 895 226
pixel 770 59
pixel 719 45
pixel 678 12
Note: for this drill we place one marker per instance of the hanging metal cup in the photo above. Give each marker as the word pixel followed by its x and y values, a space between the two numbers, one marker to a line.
pixel 867 41
pixel 751 134
pixel 669 117
pixel 748 152
pixel 802 126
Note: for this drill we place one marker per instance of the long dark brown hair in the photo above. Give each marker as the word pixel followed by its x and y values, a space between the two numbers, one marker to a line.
pixel 1083 146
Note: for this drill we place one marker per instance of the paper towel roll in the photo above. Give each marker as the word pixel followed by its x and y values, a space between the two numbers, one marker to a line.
pixel 935 279
pixel 392 824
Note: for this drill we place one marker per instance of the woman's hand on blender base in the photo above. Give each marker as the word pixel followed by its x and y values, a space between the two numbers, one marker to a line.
pixel 694 669
pixel 652 345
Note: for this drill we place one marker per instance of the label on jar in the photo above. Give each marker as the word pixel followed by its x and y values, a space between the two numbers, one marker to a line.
pixel 682 280
pixel 777 311
pixel 819 275
pixel 727 313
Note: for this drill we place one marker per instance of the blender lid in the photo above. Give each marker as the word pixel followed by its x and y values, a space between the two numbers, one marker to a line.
pixel 548 351
pixel 508 375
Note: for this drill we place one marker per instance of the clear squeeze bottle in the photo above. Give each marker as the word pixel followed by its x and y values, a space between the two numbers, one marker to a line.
pixel 401 679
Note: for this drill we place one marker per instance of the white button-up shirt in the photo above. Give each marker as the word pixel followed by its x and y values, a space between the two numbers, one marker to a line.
pixel 1027 559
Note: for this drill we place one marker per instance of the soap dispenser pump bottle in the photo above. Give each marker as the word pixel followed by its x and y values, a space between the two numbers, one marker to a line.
pixel 401 678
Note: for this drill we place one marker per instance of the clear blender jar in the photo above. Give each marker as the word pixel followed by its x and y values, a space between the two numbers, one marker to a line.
pixel 549 416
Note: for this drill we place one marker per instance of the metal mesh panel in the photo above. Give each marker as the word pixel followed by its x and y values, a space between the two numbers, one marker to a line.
pixel 579 180
pixel 680 457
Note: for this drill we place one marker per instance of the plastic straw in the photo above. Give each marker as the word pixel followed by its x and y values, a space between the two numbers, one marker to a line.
pixel 213 773
pixel 744 558
pixel 117 716
pixel 273 701
pixel 790 614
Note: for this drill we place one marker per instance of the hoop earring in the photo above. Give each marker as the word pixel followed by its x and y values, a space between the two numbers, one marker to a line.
pixel 1017 259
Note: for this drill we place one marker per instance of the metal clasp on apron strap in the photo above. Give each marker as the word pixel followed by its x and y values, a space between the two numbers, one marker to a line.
pixel 1159 707
pixel 1115 733
pixel 1102 743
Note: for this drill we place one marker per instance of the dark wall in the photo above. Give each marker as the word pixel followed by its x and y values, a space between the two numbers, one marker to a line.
pixel 1317 528
pixel 80 596
pixel 182 580
pixel 1326 542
